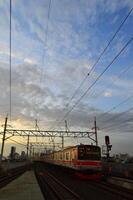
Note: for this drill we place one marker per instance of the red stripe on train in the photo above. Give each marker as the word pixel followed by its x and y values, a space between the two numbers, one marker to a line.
pixel 88 163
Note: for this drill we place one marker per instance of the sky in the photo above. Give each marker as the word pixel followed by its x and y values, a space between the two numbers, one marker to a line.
pixel 54 46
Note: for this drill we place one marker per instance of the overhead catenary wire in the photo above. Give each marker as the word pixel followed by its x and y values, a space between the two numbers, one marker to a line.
pixel 98 59
pixel 44 57
pixel 108 44
pixel 123 101
pixel 100 56
pixel 99 76
pixel 122 123
pixel 17 142
pixel 100 117
pixel 116 106
pixel 117 116
pixel 46 38
pixel 10 61
pixel 115 80
pixel 47 27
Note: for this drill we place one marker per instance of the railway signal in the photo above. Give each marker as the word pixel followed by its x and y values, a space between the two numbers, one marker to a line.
pixel 108 145
pixel 107 140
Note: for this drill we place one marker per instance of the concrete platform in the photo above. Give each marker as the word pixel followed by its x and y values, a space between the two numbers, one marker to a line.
pixel 24 187
pixel 126 183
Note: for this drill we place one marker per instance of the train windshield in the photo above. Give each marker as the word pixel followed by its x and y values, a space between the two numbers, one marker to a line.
pixel 87 152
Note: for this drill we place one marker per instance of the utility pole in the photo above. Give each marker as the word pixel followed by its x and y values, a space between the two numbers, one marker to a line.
pixel 66 129
pixel 36 128
pixel 30 149
pixel 36 125
pixel 3 139
pixel 28 145
pixel 62 142
pixel 95 128
pixel 108 146
pixel 66 126
pixel 33 152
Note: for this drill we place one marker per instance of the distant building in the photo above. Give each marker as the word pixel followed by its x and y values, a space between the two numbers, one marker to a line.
pixel 16 156
pixel 12 153
pixel 124 156
pixel 23 155
pixel 121 157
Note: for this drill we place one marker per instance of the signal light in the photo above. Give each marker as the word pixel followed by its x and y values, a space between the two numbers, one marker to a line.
pixel 107 141
pixel 109 147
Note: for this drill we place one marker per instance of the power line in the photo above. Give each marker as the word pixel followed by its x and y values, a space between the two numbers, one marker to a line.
pixel 126 70
pixel 10 62
pixel 47 28
pixel 45 43
pixel 121 124
pixel 93 66
pixel 46 35
pixel 123 48
pixel 108 44
pixel 116 80
pixel 117 31
pixel 115 107
pixel 17 142
pixel 82 82
pixel 117 116
pixel 121 103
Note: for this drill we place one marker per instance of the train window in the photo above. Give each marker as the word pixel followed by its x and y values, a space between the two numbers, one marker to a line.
pixel 89 153
pixel 61 156
pixel 67 156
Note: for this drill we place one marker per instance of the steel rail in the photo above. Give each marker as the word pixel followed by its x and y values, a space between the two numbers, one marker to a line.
pixel 113 189
pixel 11 175
pixel 58 188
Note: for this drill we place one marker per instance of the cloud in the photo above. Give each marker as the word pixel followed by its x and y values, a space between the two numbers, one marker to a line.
pixel 29 61
pixel 108 94
pixel 45 73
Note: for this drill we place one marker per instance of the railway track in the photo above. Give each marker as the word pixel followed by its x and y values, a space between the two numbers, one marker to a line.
pixel 11 174
pixel 54 189
pixel 113 189
pixel 85 189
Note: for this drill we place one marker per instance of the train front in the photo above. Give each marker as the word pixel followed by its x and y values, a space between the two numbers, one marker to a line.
pixel 89 165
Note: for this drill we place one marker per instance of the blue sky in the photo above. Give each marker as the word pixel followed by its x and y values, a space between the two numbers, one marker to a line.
pixel 51 57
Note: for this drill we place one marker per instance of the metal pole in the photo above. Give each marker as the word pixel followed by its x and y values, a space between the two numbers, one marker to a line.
pixel 95 128
pixel 28 146
pixel 3 140
pixel 62 142
pixel 33 152
pixel 30 149
pixel 107 151
pixel 66 127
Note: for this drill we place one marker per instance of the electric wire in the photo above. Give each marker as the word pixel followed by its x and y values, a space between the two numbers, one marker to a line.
pixel 122 123
pixel 94 65
pixel 47 28
pixel 45 43
pixel 117 31
pixel 101 116
pixel 117 116
pixel 100 56
pixel 99 76
pixel 122 102
pixel 46 37
pixel 115 107
pixel 17 142
pixel 10 62
pixel 116 80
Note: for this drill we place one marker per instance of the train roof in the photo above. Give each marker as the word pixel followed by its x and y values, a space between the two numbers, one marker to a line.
pixel 79 145
pixel 70 147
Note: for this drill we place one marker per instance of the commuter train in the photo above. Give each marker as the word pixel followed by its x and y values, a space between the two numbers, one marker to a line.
pixel 83 160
